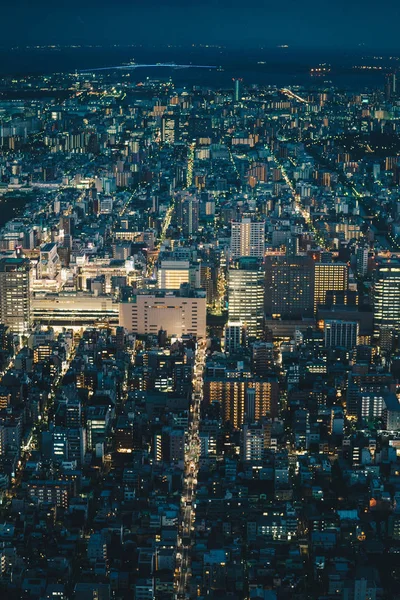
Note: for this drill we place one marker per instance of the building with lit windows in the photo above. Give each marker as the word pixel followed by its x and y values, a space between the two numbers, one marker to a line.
pixel 387 296
pixel 15 297
pixel 242 399
pixel 169 128
pixel 172 273
pixel 188 207
pixel 256 438
pixel 246 295
pixel 289 286
pixel 176 314
pixel 329 277
pixel 341 334
pixel 233 336
pixel 248 238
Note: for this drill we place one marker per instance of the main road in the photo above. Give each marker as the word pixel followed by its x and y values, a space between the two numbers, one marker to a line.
pixel 192 457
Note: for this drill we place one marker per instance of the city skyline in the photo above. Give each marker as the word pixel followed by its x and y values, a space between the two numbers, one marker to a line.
pixel 311 25
pixel 199 304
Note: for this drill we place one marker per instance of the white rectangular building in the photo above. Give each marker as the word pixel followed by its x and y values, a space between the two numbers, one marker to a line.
pixel 177 315
pixel 248 238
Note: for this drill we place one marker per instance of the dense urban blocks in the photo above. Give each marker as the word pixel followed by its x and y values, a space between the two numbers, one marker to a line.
pixel 199 332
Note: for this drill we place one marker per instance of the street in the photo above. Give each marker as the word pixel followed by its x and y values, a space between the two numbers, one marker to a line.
pixel 192 456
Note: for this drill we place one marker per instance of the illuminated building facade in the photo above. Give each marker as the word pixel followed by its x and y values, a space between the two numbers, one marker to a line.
pixel 248 238
pixel 246 295
pixel 329 277
pixel 15 297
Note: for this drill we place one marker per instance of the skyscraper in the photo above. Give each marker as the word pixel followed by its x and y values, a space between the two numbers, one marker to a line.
pixel 289 285
pixel 169 128
pixel 246 295
pixel 15 294
pixel 387 296
pixel 329 277
pixel 248 238
pixel 362 260
pixel 390 86
pixel 236 93
pixel 188 214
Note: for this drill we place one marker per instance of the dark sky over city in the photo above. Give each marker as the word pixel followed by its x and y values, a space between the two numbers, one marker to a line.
pixel 315 23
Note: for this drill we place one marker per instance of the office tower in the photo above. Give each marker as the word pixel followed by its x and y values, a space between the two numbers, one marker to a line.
pixel 188 214
pixel 236 93
pixel 328 277
pixel 248 238
pixel 172 273
pixel 387 296
pixel 362 260
pixel 341 334
pixel 246 295
pixel 390 86
pixel 233 336
pixel 169 128
pixel 15 294
pixel 289 286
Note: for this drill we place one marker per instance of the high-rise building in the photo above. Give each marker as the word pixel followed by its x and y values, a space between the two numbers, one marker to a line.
pixel 256 439
pixel 362 260
pixel 341 334
pixel 262 358
pixel 390 86
pixel 387 296
pixel 188 214
pixel 170 128
pixel 236 93
pixel 233 336
pixel 289 286
pixel 241 398
pixel 246 295
pixel 328 277
pixel 15 294
pixel 248 238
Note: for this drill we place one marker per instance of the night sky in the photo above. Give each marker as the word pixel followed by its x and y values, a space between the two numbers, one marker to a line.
pixel 241 23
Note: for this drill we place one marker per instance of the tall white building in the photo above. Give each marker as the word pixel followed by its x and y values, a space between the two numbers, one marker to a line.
pixel 248 238
pixel 246 295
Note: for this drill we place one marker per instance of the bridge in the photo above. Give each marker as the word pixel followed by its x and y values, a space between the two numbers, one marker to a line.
pixel 171 65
